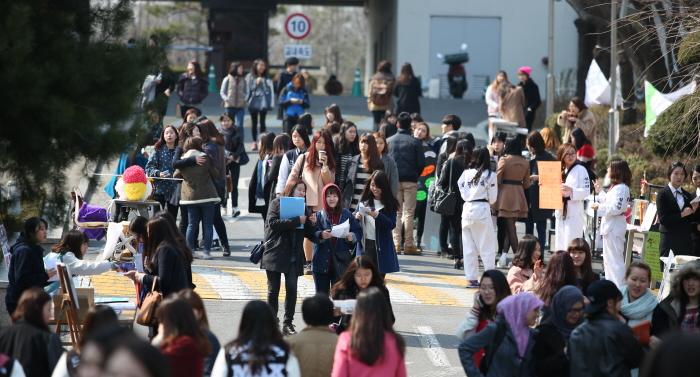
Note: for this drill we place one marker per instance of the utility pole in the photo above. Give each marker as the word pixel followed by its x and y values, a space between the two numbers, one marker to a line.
pixel 550 61
pixel 613 116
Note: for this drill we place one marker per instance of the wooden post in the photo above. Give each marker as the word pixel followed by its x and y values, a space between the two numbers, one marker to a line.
pixel 69 308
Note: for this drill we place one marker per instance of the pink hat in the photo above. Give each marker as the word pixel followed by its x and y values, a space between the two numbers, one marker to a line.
pixel 525 69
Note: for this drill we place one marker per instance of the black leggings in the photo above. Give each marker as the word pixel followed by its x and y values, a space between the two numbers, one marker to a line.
pixel 511 235
pixel 254 122
pixel 220 228
pixel 420 217
pixel 378 115
pixel 234 170
pixel 451 225
pixel 274 281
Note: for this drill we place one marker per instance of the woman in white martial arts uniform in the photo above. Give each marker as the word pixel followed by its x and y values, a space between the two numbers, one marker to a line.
pixel 612 206
pixel 478 188
pixel 570 221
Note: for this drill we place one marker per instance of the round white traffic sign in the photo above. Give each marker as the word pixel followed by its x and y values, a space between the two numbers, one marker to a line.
pixel 297 26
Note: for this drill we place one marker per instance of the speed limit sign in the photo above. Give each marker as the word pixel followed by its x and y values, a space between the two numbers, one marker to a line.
pixel 297 26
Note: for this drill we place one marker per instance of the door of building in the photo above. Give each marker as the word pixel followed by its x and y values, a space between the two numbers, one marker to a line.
pixel 483 38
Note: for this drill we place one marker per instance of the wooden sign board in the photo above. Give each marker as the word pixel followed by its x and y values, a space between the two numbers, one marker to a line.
pixel 550 184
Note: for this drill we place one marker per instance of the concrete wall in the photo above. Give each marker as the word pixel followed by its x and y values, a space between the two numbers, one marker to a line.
pixel 523 31
pixel 382 43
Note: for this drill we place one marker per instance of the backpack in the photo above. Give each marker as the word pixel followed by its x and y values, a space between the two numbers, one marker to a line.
pixel 492 347
pixel 379 93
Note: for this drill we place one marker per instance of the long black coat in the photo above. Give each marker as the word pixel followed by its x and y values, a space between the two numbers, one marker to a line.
pixel 549 354
pixel 26 271
pixel 174 273
pixel 407 96
pixel 284 243
pixel 675 230
pixel 533 192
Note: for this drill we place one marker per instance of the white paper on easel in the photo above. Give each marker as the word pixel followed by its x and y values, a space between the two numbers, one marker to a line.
pixel 649 217
pixel 341 230
pixel 666 281
pixel 114 230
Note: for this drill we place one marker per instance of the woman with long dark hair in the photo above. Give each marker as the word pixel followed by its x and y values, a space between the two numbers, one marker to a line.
pixel 258 198
pixel 26 264
pixel 407 91
pixel 478 188
pixel 576 186
pixel 183 343
pixel 280 146
pixel 361 167
pixel 370 346
pixel 380 88
pixel 390 168
pixel 580 253
pixel 192 87
pixel 160 165
pixel 200 314
pixel 513 174
pixel 449 179
pixel 679 310
pixel 235 157
pixel 260 97
pixel 332 114
pixel 70 251
pixel 377 214
pixel 585 152
pixel 234 91
pixel 300 142
pixel 347 146
pixel 493 288
pixel 258 347
pixel 166 260
pixel 29 339
pixel 527 265
pixel 360 274
pixel 559 272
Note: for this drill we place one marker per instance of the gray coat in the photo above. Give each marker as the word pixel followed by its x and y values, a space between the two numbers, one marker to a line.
pixel 198 185
pixel 284 243
pixel 389 169
pixel 505 362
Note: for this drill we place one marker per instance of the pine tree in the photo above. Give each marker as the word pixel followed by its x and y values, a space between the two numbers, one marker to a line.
pixel 69 88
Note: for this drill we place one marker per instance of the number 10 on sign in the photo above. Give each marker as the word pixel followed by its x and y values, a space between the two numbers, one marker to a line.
pixel 297 26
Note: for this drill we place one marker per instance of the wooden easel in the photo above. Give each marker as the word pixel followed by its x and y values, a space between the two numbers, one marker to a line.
pixel 69 306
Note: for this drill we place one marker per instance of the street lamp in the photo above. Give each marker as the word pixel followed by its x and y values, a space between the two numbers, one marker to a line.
pixel 550 61
pixel 613 115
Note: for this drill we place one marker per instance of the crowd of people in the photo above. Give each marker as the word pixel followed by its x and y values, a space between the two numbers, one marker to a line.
pixel 377 183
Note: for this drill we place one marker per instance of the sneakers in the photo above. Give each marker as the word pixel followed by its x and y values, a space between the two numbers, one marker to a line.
pixel 307 268
pixel 473 284
pixel 411 250
pixel 227 252
pixel 254 147
pixel 202 255
pixel 235 212
pixel 288 329
pixel 502 261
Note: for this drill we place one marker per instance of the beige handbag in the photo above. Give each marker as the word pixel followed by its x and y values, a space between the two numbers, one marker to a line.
pixel 147 312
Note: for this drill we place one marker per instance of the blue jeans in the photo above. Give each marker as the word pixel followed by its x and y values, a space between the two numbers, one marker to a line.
pixel 203 213
pixel 237 114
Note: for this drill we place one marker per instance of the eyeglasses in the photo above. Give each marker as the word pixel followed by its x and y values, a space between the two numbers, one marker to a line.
pixel 576 310
pixel 569 154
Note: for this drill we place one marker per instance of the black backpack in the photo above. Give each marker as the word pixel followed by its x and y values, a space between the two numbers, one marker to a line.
pixel 493 347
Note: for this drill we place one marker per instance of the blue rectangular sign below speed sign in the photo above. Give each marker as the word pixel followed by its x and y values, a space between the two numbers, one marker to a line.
pixel 297 51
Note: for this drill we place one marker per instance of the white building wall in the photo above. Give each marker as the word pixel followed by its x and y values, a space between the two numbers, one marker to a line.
pixel 523 33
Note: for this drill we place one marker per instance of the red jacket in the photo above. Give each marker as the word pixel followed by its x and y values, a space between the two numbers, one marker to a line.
pixel 185 357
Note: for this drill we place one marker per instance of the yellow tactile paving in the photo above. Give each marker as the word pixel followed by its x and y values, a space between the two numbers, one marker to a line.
pixel 113 284
pixel 204 289
pixel 424 294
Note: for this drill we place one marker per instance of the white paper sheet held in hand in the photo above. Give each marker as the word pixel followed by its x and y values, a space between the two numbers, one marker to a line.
pixel 345 306
pixel 341 230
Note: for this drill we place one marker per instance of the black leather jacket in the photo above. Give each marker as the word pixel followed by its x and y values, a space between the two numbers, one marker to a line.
pixel 603 346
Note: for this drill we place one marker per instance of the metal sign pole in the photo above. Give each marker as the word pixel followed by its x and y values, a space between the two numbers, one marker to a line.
pixel 612 116
pixel 550 61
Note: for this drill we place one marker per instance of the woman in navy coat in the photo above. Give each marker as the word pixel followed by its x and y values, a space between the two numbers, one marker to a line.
pixel 377 214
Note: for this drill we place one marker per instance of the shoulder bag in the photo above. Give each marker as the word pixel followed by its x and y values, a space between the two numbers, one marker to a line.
pixel 445 201
pixel 147 313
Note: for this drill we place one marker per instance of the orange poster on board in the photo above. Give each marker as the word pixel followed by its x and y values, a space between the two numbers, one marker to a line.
pixel 550 184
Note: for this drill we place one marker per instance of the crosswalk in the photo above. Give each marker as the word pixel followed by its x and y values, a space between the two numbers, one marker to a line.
pixel 249 283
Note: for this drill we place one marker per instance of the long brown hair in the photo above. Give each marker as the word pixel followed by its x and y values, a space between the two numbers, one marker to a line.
pixel 406 74
pixel 72 241
pixel 161 234
pixel 587 274
pixel 280 145
pixel 346 284
pixel 177 317
pixel 196 303
pixel 374 160
pixel 266 144
pixel 31 308
pixel 312 154
pixel 370 321
pixel 209 131
pixel 559 272
pixel 380 180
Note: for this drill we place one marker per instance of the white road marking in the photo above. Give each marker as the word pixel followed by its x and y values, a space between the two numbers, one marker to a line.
pixel 228 286
pixel 432 347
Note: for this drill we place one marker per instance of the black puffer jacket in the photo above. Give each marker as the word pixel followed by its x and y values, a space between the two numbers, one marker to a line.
pixel 284 243
pixel 603 346
pixel 407 151
pixel 192 91
pixel 26 271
